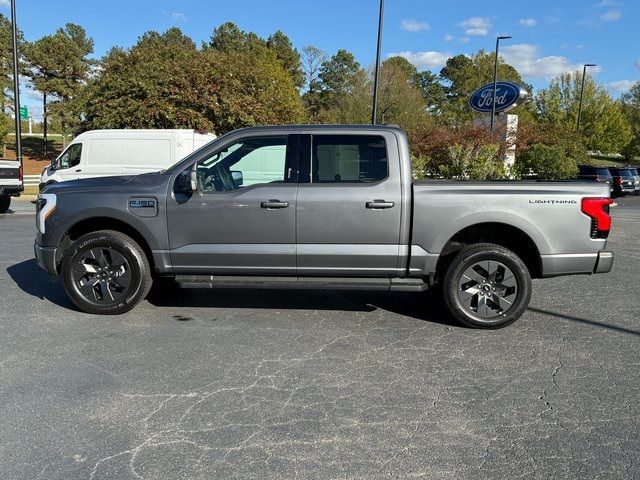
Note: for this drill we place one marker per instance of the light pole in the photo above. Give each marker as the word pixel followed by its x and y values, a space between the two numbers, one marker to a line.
pixel 377 71
pixel 584 74
pixel 495 79
pixel 16 82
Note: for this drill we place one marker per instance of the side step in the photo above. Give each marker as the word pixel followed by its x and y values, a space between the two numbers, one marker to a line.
pixel 321 283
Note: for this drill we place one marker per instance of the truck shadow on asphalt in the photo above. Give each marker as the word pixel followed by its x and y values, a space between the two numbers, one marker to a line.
pixel 421 306
pixel 31 279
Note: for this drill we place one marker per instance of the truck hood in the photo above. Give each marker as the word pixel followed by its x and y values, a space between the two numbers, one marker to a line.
pixel 131 183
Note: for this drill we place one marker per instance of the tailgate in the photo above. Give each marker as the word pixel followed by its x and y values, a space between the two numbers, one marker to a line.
pixel 10 173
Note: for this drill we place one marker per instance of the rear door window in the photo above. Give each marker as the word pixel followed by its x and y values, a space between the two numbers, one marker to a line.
pixel 348 159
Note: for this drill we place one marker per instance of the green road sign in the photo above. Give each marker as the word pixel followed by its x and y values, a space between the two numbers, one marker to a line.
pixel 24 113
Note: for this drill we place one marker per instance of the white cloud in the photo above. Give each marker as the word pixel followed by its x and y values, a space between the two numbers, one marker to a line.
pixel 447 38
pixel 424 60
pixel 414 25
pixel 5 3
pixel 611 16
pixel 178 17
pixel 637 63
pixel 606 3
pixel 464 39
pixel 526 59
pixel 476 26
pixel 621 86
pixel 528 22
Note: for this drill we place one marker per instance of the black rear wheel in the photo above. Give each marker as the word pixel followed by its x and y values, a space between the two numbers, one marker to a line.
pixel 106 272
pixel 5 203
pixel 487 286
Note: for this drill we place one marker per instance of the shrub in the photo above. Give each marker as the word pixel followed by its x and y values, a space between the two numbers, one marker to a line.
pixel 458 152
pixel 548 162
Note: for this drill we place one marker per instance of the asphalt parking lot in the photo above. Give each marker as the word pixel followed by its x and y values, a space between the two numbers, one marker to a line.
pixel 298 384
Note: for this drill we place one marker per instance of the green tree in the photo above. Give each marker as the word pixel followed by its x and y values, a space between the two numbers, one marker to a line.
pixel 251 88
pixel 60 67
pixel 160 82
pixel 630 102
pixel 6 60
pixel 341 80
pixel 280 44
pixel 433 92
pixel 401 101
pixel 603 125
pixel 463 75
pixel 228 38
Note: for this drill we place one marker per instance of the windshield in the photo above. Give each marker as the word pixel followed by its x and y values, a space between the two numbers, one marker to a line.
pixel 603 172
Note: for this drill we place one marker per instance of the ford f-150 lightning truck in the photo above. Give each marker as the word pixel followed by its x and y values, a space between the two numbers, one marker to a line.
pixel 319 207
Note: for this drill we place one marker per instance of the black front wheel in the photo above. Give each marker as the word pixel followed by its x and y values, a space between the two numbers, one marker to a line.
pixel 106 272
pixel 487 286
pixel 5 203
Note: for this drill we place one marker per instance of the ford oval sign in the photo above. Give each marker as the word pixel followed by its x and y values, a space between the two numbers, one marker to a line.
pixel 508 94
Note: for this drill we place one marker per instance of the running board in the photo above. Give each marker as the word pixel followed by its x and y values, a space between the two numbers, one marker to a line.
pixel 321 283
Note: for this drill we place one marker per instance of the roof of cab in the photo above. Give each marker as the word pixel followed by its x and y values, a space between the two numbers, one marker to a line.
pixel 317 127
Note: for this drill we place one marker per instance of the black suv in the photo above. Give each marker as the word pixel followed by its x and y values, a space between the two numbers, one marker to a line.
pixel 596 174
pixel 623 180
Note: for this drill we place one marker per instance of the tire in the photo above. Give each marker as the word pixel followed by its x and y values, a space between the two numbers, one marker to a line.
pixel 478 290
pixel 106 273
pixel 5 203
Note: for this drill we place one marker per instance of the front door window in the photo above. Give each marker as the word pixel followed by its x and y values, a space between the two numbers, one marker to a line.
pixel 71 156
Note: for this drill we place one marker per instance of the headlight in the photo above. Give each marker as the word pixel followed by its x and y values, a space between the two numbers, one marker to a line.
pixel 45 206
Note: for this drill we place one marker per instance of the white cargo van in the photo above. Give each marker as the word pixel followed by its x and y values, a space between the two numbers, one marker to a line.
pixel 104 153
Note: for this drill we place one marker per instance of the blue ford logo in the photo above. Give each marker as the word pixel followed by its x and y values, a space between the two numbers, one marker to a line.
pixel 508 94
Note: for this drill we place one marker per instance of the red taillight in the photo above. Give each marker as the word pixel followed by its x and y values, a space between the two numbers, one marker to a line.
pixel 598 210
pixel 617 180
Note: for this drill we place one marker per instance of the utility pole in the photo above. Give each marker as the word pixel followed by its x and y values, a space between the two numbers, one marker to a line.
pixel 584 74
pixel 495 80
pixel 16 82
pixel 377 71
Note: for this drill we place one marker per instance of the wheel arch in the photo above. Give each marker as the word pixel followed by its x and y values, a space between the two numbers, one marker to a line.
pixel 503 234
pixel 94 224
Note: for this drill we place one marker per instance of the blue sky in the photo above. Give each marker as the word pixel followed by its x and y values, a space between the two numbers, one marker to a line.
pixel 549 37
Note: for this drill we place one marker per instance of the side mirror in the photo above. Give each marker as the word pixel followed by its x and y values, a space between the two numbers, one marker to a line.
pixel 238 179
pixel 187 182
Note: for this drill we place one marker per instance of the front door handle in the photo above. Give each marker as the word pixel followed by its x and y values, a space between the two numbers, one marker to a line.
pixel 274 204
pixel 79 170
pixel 379 204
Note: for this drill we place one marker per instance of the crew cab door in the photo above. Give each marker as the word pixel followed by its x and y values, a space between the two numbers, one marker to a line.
pixel 349 205
pixel 241 220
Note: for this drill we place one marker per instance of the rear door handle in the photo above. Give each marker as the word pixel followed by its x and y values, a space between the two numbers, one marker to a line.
pixel 379 204
pixel 274 204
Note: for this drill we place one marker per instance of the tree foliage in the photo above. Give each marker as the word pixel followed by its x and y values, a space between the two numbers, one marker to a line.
pixel 59 65
pixel 603 124
pixel 159 83
pixel 165 81
pixel 630 103
pixel 462 75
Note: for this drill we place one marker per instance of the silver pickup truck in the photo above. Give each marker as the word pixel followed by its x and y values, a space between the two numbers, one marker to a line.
pixel 10 182
pixel 319 207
